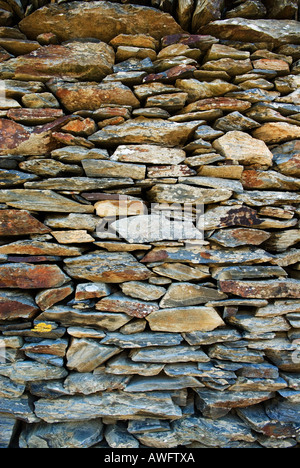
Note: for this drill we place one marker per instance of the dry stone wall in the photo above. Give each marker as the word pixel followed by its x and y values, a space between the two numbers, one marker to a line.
pixel 149 224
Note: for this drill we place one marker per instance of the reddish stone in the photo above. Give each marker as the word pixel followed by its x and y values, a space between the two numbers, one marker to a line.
pixel 19 223
pixel 198 41
pixel 16 305
pixel 81 127
pixel 34 116
pixel 222 103
pixel 28 276
pixel 174 73
pixel 285 288
pixel 111 121
pixel 18 139
pixel 71 140
pixel 46 299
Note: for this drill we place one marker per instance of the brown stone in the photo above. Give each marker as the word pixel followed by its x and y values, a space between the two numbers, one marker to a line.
pixel 28 276
pixel 91 96
pixel 34 116
pixel 259 30
pixel 241 147
pixel 19 223
pixel 240 236
pixel 252 179
pixel 18 139
pixel 17 305
pixel 280 66
pixel 83 61
pixel 102 21
pixel 205 12
pixel 47 298
pixel 146 131
pixel 133 307
pixel 277 132
pixel 172 74
pixel 107 267
pixel 237 215
pixel 185 319
pixel 35 247
pixel 43 200
pixel 222 103
pixel 286 288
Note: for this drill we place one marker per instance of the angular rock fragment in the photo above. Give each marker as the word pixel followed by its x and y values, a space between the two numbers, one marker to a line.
pixel 212 257
pixel 142 290
pixel 96 168
pixel 29 371
pixel 146 131
pixel 133 307
pixel 122 365
pixel 142 340
pixel 39 248
pixel 240 236
pixel 185 319
pixel 85 354
pixel 188 294
pixel 239 146
pixel 182 193
pixel 42 435
pixel 15 304
pixel 216 404
pixel 117 436
pixel 49 297
pixel 277 132
pixel 20 222
pixel 148 384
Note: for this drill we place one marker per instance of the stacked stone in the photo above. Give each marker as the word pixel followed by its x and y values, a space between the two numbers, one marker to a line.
pixel 119 328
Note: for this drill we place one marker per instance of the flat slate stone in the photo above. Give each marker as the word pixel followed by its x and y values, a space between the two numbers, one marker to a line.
pixel 185 319
pixel 107 267
pixel 120 404
pixel 128 305
pixel 67 316
pixel 146 131
pixel 142 340
pixel 280 288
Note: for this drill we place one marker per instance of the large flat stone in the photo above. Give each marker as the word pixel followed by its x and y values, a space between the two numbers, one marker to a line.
pixel 29 276
pixel 91 96
pixel 83 61
pixel 120 404
pixel 241 29
pixel 146 131
pixel 107 267
pixel 101 20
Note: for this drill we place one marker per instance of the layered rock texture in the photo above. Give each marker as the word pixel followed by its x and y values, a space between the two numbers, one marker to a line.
pixel 149 224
